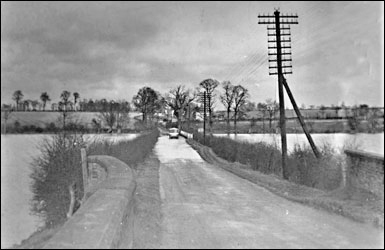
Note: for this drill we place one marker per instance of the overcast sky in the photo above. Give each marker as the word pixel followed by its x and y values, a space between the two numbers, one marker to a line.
pixel 112 49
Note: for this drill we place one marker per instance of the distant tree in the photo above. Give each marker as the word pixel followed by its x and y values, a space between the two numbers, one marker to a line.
pixel 249 106
pixel 104 105
pixel 272 108
pixel 63 105
pixel 108 115
pixel 44 97
pixel 373 121
pixel 17 96
pixel 34 104
pixel 26 105
pixel 122 113
pixel 76 97
pixel 322 111
pixel 147 102
pixel 354 119
pixel 90 105
pixel 240 97
pixel 65 95
pixel 227 100
pixel 209 86
pixel 177 100
pixel 262 107
pixel 364 111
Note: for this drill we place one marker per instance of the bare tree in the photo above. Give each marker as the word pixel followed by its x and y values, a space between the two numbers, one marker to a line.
pixel 191 97
pixel 44 97
pixel 209 86
pixel 177 100
pixel 34 104
pixel 122 113
pixel 109 115
pixel 227 100
pixel 63 104
pixel 240 96
pixel 26 105
pixel 17 96
pixel 76 97
pixel 147 101
pixel 65 95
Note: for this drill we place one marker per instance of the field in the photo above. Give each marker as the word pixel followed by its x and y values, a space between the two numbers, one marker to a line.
pixel 293 126
pixel 42 119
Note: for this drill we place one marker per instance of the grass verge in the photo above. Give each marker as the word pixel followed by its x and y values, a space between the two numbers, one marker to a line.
pixel 147 208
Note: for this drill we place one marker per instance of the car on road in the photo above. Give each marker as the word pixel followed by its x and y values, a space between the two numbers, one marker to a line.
pixel 173 133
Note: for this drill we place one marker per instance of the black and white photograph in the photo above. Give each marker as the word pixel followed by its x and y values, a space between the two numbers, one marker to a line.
pixel 192 124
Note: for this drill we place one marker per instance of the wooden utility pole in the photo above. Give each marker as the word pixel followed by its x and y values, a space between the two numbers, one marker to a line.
pixel 278 50
pixel 282 118
pixel 204 100
pixel 281 60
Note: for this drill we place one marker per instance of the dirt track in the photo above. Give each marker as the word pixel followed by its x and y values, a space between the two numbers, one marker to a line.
pixel 204 206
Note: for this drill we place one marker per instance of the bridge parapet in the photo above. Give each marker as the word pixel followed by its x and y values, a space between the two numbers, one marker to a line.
pixel 99 222
pixel 365 171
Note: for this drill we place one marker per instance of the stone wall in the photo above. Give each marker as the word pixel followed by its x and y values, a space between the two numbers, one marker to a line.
pixel 365 171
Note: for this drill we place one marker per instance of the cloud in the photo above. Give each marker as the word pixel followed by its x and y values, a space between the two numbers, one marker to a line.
pixel 110 49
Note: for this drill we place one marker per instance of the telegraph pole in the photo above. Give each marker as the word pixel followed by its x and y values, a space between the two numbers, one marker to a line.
pixel 278 58
pixel 279 61
pixel 204 100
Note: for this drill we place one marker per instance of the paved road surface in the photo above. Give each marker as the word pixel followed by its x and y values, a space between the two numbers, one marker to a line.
pixel 204 206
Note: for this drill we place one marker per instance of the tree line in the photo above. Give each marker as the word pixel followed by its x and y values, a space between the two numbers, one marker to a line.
pixel 179 102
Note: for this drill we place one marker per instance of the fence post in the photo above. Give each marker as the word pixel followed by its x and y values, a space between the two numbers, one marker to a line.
pixel 84 170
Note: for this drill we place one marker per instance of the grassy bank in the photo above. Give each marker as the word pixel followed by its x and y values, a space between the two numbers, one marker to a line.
pixel 302 166
pixel 60 167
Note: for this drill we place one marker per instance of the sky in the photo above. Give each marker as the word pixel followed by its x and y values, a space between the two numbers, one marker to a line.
pixel 112 49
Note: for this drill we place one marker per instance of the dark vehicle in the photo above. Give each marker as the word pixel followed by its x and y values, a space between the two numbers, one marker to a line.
pixel 173 133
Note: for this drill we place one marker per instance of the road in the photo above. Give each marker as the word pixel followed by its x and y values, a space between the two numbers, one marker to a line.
pixel 204 206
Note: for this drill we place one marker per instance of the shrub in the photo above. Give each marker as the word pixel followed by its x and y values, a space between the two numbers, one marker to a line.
pixel 17 127
pixel 323 173
pixel 51 127
pixel 58 167
pixel 39 130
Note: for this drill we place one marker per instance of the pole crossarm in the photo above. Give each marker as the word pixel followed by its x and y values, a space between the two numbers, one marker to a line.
pixel 282 47
pixel 281 16
pixel 282 41
pixel 282 53
pixel 282 60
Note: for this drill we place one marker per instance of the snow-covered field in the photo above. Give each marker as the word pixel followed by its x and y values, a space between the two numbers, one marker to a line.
pixel 17 152
pixel 373 143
